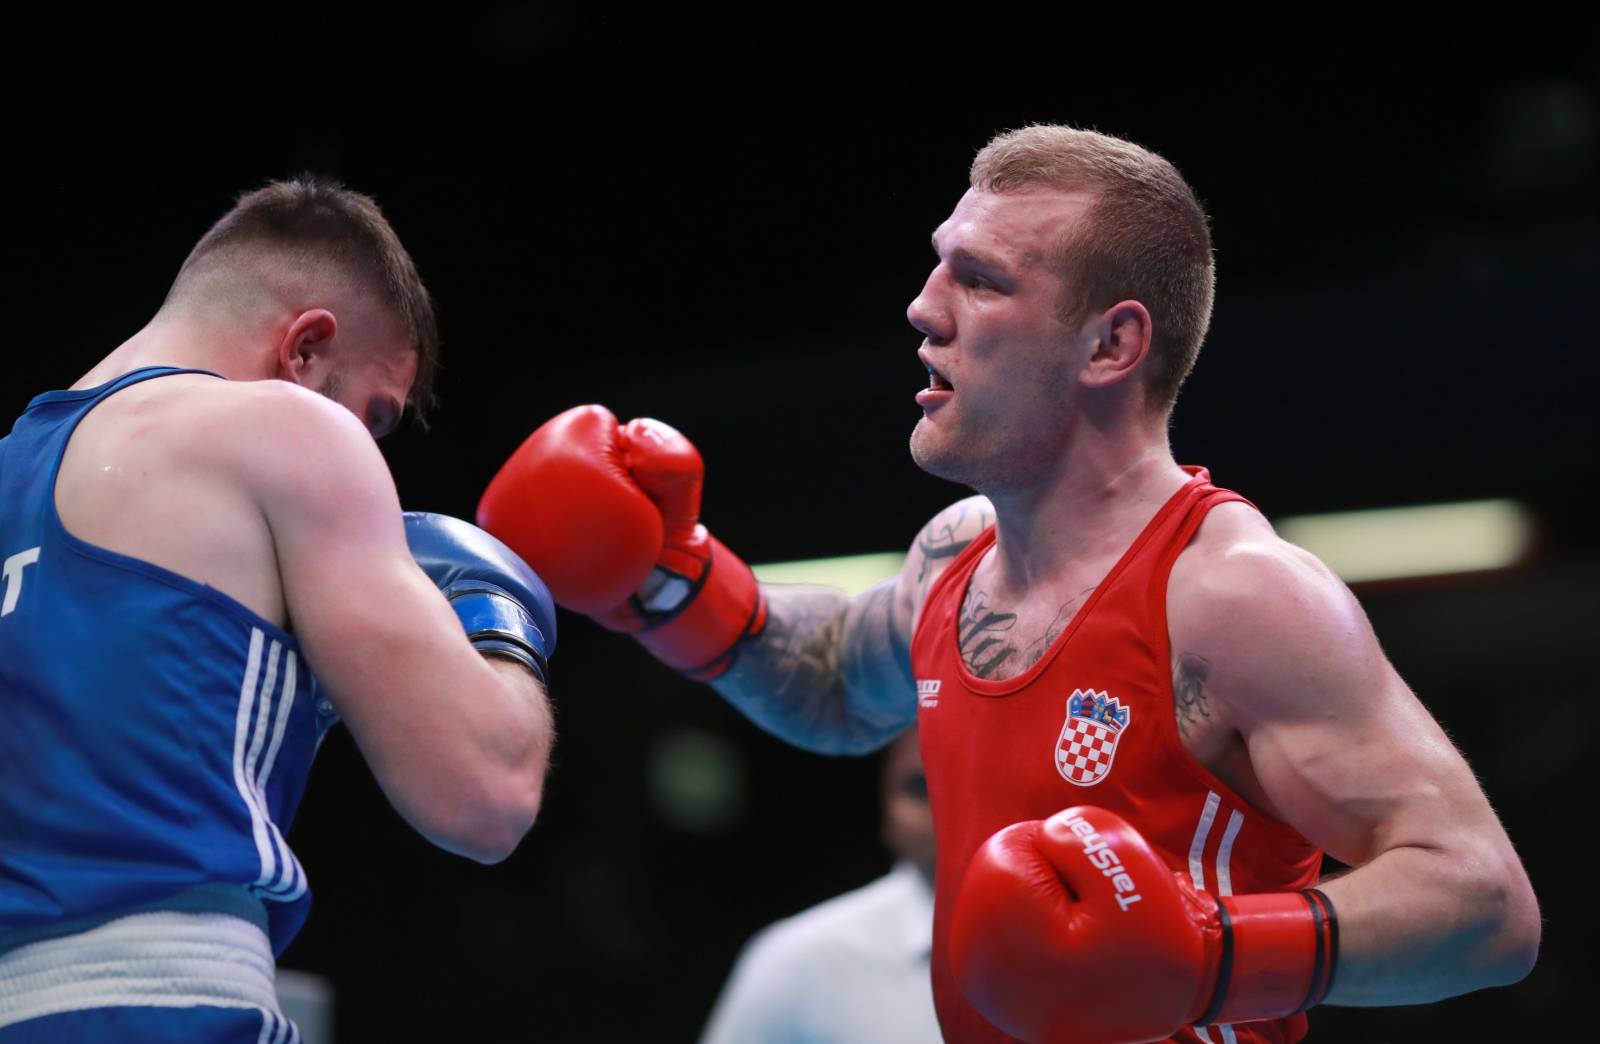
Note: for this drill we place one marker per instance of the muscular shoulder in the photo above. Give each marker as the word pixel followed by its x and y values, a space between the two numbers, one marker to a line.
pixel 269 419
pixel 1236 560
pixel 276 438
pixel 203 477
pixel 1269 618
pixel 202 419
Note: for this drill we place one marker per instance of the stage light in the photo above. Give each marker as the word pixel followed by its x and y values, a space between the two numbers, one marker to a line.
pixel 1360 546
pixel 854 573
pixel 1405 542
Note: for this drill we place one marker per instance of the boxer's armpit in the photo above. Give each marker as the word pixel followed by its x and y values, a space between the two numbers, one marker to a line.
pixel 828 673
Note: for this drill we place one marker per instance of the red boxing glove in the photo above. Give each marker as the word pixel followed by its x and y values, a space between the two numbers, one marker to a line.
pixel 597 509
pixel 1072 930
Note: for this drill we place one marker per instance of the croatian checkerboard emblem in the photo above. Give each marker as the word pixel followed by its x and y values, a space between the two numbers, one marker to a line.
pixel 1089 738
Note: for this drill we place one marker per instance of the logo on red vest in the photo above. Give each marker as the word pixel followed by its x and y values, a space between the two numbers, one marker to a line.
pixel 1089 738
pixel 928 692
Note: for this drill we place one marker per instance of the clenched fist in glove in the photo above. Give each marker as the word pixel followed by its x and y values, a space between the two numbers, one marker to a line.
pixel 1072 930
pixel 609 516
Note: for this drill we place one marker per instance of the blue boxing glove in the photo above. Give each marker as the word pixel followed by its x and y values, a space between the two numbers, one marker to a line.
pixel 503 605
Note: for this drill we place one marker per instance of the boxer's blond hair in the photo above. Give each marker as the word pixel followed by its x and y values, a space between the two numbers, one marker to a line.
pixel 310 223
pixel 1145 237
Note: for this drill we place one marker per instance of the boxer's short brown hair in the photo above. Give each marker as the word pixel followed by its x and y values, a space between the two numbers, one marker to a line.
pixel 317 217
pixel 1145 238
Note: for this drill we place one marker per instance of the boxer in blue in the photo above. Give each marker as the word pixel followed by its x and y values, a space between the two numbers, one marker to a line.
pixel 203 566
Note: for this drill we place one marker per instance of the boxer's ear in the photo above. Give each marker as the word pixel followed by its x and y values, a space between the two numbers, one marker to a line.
pixel 303 354
pixel 1120 340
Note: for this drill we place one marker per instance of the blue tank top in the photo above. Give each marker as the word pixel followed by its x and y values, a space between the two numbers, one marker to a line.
pixel 155 735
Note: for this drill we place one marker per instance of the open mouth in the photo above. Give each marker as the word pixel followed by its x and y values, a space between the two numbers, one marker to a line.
pixel 937 381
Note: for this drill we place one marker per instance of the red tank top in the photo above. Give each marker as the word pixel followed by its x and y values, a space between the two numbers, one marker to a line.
pixel 1092 723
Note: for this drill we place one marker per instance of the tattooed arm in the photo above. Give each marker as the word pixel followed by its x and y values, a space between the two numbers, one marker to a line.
pixel 833 674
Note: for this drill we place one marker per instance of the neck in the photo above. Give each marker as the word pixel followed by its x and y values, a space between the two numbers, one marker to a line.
pixel 1093 502
pixel 184 340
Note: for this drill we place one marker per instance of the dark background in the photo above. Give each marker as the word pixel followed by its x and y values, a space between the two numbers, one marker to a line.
pixel 719 221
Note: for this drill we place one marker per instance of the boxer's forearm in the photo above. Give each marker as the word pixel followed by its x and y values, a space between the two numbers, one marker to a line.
pixel 828 673
pixel 516 740
pixel 1417 925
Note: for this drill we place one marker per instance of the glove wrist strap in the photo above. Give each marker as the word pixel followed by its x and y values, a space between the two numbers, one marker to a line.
pixel 700 637
pixel 1278 956
pixel 498 625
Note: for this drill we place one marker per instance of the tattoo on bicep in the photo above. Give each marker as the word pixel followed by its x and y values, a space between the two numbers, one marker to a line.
pixel 801 643
pixel 873 655
pixel 982 633
pixel 1189 692
pixel 824 669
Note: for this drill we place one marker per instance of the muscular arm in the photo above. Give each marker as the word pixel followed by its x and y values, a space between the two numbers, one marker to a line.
pixel 459 744
pixel 833 674
pixel 1437 903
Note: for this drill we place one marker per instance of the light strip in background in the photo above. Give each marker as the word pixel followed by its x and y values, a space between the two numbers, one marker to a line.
pixel 1360 546
pixel 854 573
pixel 1431 540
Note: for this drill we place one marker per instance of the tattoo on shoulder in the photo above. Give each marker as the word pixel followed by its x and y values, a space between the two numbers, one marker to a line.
pixel 945 538
pixel 1189 692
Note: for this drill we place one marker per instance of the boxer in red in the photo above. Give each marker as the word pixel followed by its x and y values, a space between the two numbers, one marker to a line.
pixel 1144 716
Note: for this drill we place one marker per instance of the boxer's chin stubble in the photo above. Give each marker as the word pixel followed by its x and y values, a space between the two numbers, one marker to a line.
pixel 332 385
pixel 931 452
